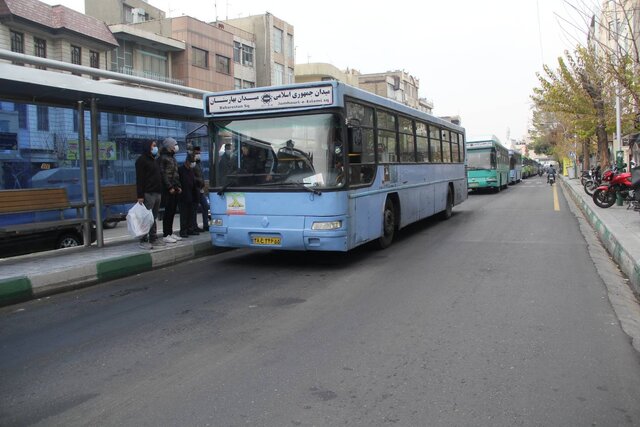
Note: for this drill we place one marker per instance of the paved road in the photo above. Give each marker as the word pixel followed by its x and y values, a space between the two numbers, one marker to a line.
pixel 496 317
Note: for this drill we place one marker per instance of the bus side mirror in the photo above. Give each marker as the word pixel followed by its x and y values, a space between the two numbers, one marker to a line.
pixel 355 139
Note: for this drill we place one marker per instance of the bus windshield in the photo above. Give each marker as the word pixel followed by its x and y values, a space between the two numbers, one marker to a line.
pixel 480 159
pixel 287 152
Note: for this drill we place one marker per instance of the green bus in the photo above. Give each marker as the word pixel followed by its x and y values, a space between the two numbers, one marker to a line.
pixel 487 164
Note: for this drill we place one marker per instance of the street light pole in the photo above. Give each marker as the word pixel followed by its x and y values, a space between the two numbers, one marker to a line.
pixel 617 145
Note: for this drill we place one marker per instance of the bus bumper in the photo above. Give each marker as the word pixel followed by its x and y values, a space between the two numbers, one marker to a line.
pixel 481 183
pixel 292 238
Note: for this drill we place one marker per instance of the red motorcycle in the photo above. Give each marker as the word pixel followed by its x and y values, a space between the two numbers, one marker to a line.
pixel 614 183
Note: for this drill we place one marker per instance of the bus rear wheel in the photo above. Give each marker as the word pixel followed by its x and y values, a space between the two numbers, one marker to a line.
pixel 388 225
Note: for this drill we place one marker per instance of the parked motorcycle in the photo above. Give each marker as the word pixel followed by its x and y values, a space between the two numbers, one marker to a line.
pixel 616 183
pixel 593 181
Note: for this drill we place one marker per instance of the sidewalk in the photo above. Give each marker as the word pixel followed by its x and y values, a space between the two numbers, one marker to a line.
pixel 44 273
pixel 617 227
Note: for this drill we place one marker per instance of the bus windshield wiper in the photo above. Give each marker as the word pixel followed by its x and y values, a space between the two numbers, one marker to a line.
pixel 224 188
pixel 296 184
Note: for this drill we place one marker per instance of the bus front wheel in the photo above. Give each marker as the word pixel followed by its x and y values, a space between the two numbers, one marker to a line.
pixel 388 225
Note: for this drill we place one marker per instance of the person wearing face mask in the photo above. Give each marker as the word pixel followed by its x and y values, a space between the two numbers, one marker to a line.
pixel 225 166
pixel 189 197
pixel 149 189
pixel 201 200
pixel 171 187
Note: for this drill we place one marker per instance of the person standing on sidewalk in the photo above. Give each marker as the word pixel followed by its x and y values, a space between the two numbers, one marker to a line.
pixel 171 187
pixel 188 199
pixel 149 190
pixel 201 200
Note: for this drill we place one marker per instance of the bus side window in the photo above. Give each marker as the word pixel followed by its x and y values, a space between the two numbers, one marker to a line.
pixel 355 137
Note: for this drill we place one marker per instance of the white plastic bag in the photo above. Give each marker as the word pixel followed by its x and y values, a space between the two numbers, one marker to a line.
pixel 139 220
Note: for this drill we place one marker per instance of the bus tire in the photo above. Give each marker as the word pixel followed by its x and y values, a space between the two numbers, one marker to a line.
pixel 388 225
pixel 448 210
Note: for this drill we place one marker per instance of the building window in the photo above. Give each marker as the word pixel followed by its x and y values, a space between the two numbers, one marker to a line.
pixel 247 56
pixel 94 59
pixel 248 85
pixel 40 47
pixel 290 75
pixel 200 58
pixel 277 40
pixel 278 74
pixel 43 117
pixel 223 64
pixel 237 52
pixel 76 55
pixel 17 42
pixel 122 58
pixel 154 64
pixel 290 52
pixel 237 84
pixel 21 109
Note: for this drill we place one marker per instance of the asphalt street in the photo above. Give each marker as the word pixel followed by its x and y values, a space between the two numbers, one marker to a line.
pixel 496 317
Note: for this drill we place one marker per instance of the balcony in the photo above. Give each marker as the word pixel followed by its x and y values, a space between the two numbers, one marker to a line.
pixel 146 74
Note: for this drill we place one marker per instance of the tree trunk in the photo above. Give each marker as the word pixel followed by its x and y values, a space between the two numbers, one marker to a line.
pixel 586 155
pixel 603 145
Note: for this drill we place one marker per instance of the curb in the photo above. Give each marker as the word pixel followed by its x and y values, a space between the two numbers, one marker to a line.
pixel 23 288
pixel 627 263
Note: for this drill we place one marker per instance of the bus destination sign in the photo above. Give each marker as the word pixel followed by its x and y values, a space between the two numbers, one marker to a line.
pixel 269 100
pixel 482 144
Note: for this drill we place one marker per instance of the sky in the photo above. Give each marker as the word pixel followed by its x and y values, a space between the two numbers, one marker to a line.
pixel 476 59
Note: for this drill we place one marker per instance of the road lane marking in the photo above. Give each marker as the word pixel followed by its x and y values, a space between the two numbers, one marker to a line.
pixel 556 204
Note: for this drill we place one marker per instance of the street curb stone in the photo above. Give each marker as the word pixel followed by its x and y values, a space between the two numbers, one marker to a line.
pixel 610 235
pixel 50 278
pixel 15 289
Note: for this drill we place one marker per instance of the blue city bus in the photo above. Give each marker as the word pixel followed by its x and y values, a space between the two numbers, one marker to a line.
pixel 487 164
pixel 325 166
pixel 515 167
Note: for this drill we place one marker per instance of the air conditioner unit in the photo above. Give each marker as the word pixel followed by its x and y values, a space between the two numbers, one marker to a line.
pixel 138 15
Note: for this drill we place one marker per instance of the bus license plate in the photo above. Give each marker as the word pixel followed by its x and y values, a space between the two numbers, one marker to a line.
pixel 263 240
pixel 473 184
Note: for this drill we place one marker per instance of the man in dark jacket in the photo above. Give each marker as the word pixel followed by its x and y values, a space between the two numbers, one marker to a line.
pixel 202 200
pixel 171 187
pixel 149 190
pixel 189 197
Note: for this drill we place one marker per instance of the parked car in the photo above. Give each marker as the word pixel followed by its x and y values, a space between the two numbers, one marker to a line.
pixel 21 243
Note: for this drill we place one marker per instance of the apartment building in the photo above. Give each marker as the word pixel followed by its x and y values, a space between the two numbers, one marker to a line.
pixel 315 72
pixel 275 48
pixel 54 32
pixel 397 85
pixel 244 56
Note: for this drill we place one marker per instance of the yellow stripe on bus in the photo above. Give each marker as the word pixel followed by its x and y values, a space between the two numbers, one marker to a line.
pixel 556 204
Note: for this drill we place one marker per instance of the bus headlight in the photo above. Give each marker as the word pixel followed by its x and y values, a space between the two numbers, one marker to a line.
pixel 329 225
pixel 216 222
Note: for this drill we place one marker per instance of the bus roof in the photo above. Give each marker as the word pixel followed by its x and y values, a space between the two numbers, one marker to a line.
pixel 303 97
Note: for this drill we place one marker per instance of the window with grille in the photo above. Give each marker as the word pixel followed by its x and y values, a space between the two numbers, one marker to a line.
pixel 76 55
pixel 40 47
pixel 94 59
pixel 17 42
